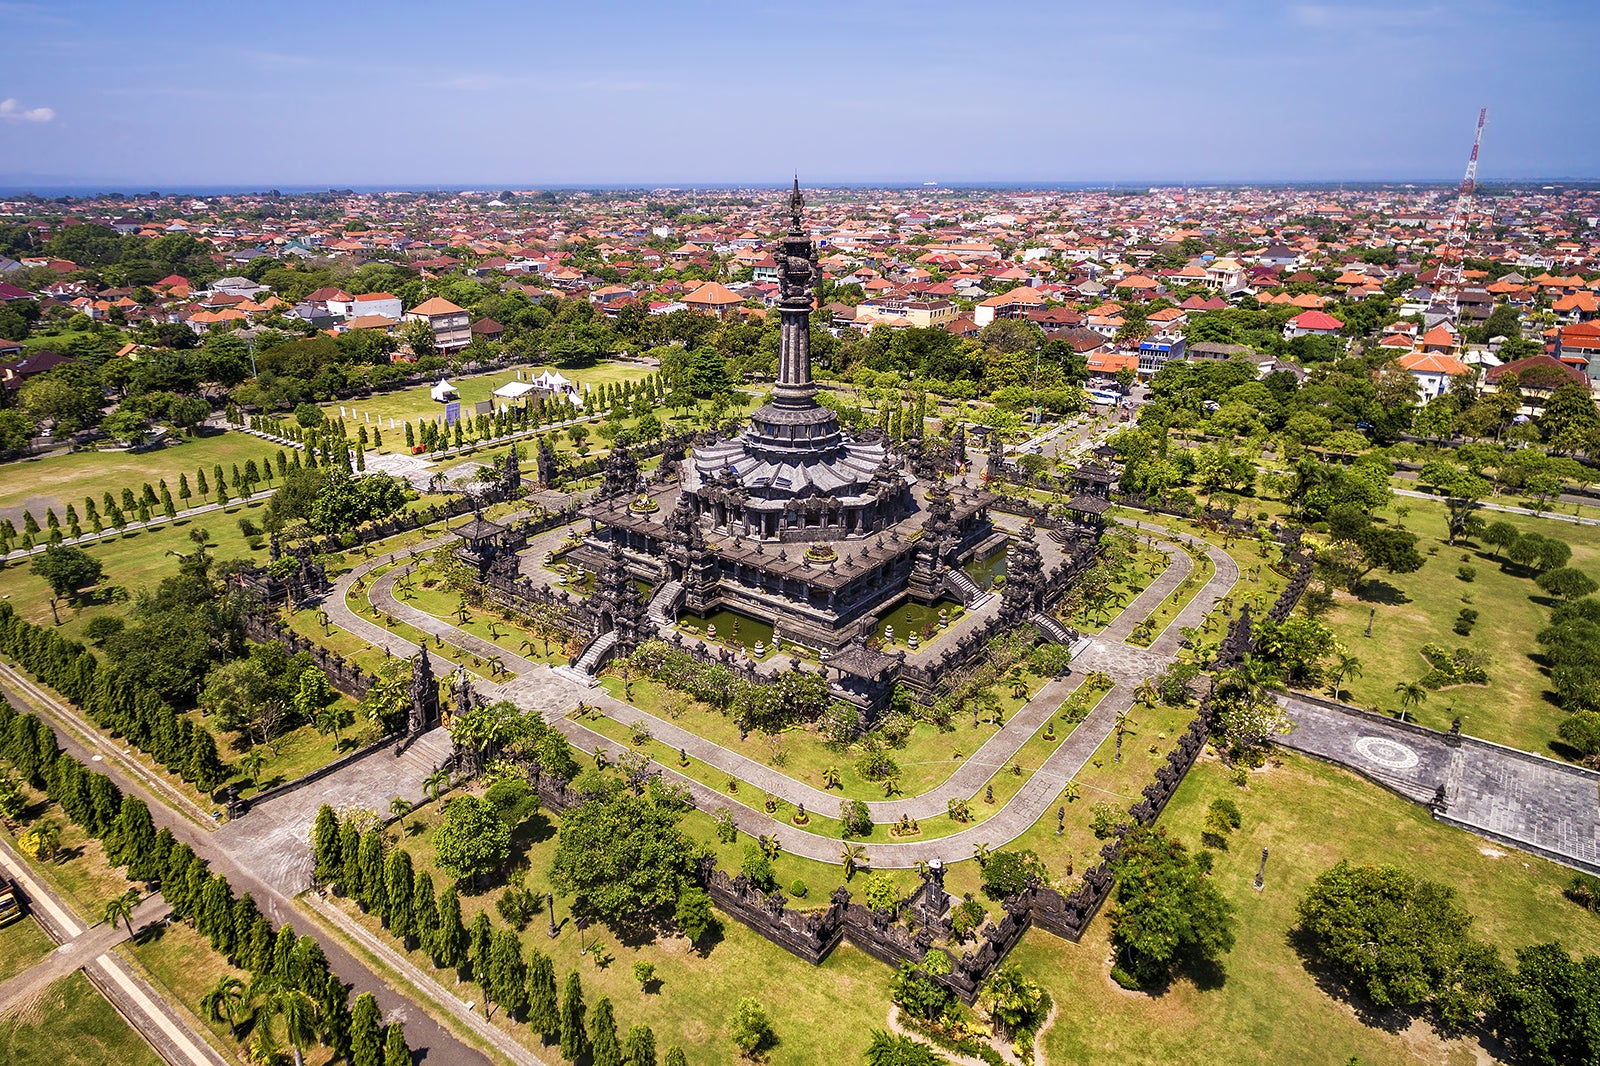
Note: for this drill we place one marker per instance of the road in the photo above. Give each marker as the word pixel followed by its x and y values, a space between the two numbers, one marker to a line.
pixel 431 1040
pixel 88 947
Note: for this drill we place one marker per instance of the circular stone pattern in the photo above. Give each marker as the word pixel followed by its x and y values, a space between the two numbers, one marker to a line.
pixel 1390 754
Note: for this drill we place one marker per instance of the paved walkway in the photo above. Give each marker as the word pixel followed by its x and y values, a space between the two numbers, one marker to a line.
pixel 89 948
pixel 1506 508
pixel 1537 804
pixel 538 688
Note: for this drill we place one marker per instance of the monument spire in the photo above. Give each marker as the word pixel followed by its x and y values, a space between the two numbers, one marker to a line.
pixel 798 276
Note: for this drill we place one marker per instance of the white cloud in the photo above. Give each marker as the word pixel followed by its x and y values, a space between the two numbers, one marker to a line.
pixel 11 111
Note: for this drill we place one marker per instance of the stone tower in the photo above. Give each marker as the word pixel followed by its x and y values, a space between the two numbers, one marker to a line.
pixel 424 693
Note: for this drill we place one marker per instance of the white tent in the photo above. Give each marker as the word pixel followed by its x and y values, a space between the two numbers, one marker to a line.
pixel 444 392
pixel 513 390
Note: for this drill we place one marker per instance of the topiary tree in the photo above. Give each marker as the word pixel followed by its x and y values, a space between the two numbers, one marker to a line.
pixel 750 1027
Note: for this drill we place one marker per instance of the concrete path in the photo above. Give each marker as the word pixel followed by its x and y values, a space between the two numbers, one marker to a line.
pixel 79 951
pixel 1506 508
pixel 88 948
pixel 537 687
pixel 1533 803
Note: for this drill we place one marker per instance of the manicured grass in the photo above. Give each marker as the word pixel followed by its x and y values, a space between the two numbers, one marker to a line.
pixel 70 1024
pixel 57 480
pixel 821 1014
pixel 929 756
pixel 1146 564
pixel 132 561
pixel 22 943
pixel 1269 1009
pixel 416 404
pixel 1414 609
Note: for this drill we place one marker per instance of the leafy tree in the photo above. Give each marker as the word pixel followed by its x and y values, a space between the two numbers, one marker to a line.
pixel 622 856
pixel 914 989
pixel 366 1047
pixel 1168 914
pixel 507 977
pixel 1566 583
pixel 878 891
pixel 675 1057
pixel 450 943
pixel 472 839
pixel 1398 940
pixel 395 1051
pixel 66 570
pixel 750 1027
pixel 1581 729
pixel 312 693
pixel 1500 535
pixel 1549 1010
pixel 482 937
pixel 1005 873
pixel 693 914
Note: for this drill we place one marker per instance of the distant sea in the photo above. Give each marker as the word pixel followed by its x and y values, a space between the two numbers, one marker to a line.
pixel 11 186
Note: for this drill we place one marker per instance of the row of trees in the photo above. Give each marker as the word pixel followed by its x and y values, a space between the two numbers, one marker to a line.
pixel 292 994
pixel 117 697
pixel 353 854
pixel 790 698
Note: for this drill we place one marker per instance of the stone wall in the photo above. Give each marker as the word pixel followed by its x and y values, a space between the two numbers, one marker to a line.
pixel 343 674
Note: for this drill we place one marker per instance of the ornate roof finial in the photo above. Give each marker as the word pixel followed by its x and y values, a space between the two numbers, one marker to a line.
pixel 797 203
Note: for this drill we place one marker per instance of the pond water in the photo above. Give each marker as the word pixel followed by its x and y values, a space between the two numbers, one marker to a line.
pixel 911 616
pixel 733 629
pixel 984 571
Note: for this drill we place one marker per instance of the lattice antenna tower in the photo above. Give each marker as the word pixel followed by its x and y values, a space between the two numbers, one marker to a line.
pixel 1448 281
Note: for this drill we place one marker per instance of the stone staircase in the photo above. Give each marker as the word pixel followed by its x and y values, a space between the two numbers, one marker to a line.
pixel 662 603
pixel 589 661
pixel 972 597
pixel 1051 629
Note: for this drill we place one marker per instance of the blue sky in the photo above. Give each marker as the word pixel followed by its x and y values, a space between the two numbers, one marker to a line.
pixel 474 94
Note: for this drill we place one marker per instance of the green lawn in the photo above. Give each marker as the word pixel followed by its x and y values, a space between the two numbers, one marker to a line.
pixel 57 480
pixel 22 943
pixel 928 757
pixel 821 1014
pixel 70 1024
pixel 1270 1009
pixel 1417 608
pixel 416 404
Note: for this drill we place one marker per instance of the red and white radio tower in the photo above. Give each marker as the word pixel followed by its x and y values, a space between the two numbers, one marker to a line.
pixel 1447 282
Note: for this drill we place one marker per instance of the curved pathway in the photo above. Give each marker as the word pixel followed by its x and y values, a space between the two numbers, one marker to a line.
pixel 537 687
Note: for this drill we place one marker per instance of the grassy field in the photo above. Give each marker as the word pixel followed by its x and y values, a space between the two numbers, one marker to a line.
pixel 70 1023
pixel 1414 609
pixel 57 480
pixel 416 404
pixel 22 943
pixel 1270 1008
pixel 821 1014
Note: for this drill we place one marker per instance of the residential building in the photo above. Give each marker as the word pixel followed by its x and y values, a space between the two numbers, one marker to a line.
pixel 452 327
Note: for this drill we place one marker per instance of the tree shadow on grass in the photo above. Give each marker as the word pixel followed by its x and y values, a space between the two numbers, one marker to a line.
pixel 1392 1020
pixel 1378 591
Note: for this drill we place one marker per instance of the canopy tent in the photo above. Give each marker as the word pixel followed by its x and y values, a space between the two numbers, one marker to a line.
pixel 444 392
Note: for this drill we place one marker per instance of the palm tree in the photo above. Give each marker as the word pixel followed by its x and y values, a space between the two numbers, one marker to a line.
pixel 226 1000
pixel 1411 694
pixel 1348 666
pixel 1071 792
pixel 400 807
pixel 299 1012
pixel 852 855
pixel 980 852
pixel 120 909
pixel 332 719
pixel 830 778
pixel 1146 693
pixel 251 763
pixel 435 783
pixel 49 834
pixel 1019 687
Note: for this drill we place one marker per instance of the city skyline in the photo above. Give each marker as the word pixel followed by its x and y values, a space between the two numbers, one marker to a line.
pixel 1155 92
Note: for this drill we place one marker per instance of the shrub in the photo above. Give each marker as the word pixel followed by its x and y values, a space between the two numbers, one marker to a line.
pixel 877 765
pixel 517 904
pixel 1008 872
pixel 1466 573
pixel 757 868
pixel 966 918
pixel 1105 819
pixel 798 890
pixel 1465 620
pixel 1222 818
pixel 855 818
pixel 877 891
